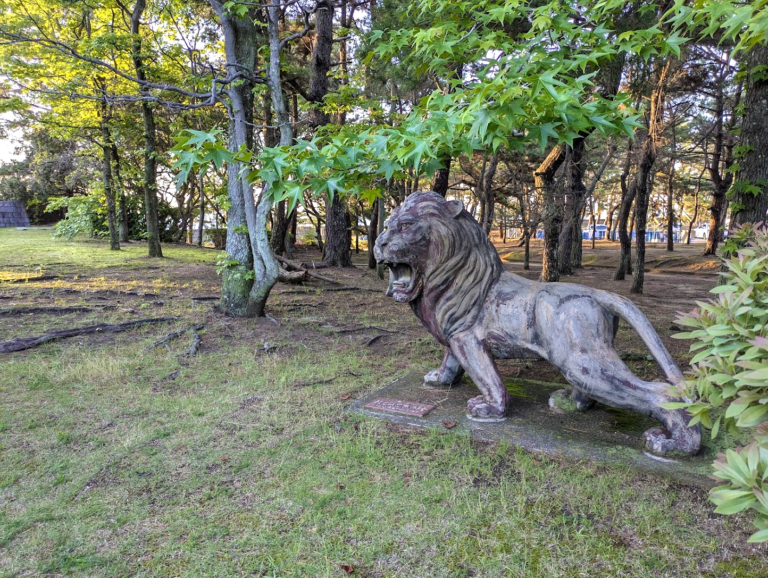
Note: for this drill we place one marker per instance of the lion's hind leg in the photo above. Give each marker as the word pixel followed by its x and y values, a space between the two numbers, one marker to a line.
pixel 608 380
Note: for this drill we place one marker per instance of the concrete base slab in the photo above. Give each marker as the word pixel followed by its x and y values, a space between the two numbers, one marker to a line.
pixel 601 434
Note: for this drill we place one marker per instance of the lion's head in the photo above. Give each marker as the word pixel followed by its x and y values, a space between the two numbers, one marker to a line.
pixel 434 247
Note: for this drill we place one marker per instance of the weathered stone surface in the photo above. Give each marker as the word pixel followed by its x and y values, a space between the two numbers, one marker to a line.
pixel 400 406
pixel 603 435
pixel 442 263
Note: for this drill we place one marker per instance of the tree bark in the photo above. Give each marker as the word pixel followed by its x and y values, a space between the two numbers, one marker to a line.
pixel 440 178
pixel 201 223
pixel 106 149
pixel 544 180
pixel 625 237
pixel 373 232
pixel 750 192
pixel 336 252
pixel 247 283
pixel 150 140
pixel 720 162
pixel 576 193
pixel 122 208
pixel 645 172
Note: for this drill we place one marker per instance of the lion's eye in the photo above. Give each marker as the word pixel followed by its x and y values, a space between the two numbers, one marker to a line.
pixel 404 226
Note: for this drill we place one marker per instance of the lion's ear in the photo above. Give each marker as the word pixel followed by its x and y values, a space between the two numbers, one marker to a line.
pixel 455 208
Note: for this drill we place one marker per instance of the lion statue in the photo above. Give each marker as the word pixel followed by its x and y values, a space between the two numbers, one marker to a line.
pixel 441 262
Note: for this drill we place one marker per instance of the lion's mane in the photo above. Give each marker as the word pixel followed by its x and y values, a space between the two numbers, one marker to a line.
pixel 464 263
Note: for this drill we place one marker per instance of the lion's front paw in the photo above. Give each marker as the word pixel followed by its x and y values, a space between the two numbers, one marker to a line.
pixel 480 410
pixel 432 378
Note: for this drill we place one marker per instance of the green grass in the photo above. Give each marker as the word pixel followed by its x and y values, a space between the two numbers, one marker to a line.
pixel 34 251
pixel 117 461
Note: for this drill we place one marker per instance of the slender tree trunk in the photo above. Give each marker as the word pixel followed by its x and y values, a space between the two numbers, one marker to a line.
pixel 373 232
pixel 150 140
pixel 201 223
pixel 750 192
pixel 695 211
pixel 625 237
pixel 109 192
pixel 544 179
pixel 440 179
pixel 123 209
pixel 719 163
pixel 488 195
pixel 670 194
pixel 645 172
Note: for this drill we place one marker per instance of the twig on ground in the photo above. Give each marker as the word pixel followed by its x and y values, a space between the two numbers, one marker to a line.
pixel 356 329
pixel 22 343
pixel 196 342
pixel 206 298
pixel 173 335
pixel 374 339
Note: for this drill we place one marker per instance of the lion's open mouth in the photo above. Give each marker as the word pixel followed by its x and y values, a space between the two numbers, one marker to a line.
pixel 402 282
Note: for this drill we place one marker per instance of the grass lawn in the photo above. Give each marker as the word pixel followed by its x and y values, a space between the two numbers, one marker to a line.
pixel 116 460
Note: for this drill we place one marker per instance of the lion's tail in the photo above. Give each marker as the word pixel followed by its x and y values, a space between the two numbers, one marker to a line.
pixel 628 311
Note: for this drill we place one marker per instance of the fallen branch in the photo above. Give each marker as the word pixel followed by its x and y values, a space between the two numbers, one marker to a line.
pixel 207 298
pixel 291 276
pixel 173 335
pixel 293 265
pixel 315 382
pixel 374 339
pixel 196 342
pixel 63 310
pixel 356 329
pixel 22 343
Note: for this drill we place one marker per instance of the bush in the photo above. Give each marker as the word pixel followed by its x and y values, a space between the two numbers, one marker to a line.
pixel 729 380
pixel 85 214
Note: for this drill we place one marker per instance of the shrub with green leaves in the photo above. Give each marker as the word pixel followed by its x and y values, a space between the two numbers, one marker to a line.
pixel 85 215
pixel 729 378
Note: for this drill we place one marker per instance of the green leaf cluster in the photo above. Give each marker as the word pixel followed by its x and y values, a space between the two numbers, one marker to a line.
pixel 729 381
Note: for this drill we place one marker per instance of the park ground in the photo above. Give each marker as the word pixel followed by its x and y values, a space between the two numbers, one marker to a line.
pixel 118 460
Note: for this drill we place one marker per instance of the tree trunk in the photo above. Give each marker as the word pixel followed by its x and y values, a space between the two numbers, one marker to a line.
pixel 670 195
pixel 247 283
pixel 150 141
pixel 201 224
pixel 575 197
pixel 488 195
pixel 721 161
pixel 373 232
pixel 625 237
pixel 670 212
pixel 440 179
pixel 750 192
pixel 123 209
pixel 336 252
pixel 544 179
pixel 645 172
pixel 106 149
